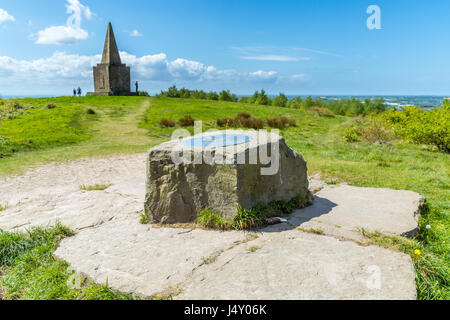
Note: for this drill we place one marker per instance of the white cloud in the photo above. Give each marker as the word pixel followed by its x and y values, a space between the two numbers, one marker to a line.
pixel 70 33
pixel 64 67
pixel 272 57
pixel 5 16
pixel 318 52
pixel 136 33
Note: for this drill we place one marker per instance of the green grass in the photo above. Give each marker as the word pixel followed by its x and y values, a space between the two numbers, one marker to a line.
pixel 251 218
pixel 313 231
pixel 211 111
pixel 209 260
pixel 253 249
pixel 68 132
pixel 97 187
pixel 432 271
pixel 131 124
pixel 30 272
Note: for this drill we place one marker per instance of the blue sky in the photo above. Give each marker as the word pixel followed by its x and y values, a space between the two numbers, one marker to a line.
pixel 291 46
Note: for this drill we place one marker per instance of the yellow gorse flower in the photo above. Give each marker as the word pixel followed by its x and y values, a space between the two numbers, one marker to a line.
pixel 418 252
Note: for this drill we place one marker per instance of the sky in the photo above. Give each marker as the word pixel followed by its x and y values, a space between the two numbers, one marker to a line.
pixel 326 47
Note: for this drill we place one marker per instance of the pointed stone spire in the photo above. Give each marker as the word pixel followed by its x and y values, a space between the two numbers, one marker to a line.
pixel 111 54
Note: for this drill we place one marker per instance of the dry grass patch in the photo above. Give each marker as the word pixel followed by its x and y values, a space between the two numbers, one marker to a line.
pixel 97 187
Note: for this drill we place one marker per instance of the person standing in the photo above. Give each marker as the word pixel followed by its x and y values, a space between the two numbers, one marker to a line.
pixel 79 91
pixel 137 87
pixel 74 92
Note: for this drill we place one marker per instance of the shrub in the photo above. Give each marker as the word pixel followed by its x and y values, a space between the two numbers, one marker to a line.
pixel 143 94
pixel 281 123
pixel 244 120
pixel 370 130
pixel 167 123
pixel 252 123
pixel 226 123
pixel 374 131
pixel 172 92
pixel 51 106
pixel 263 99
pixel 280 101
pixel 292 122
pixel 351 134
pixel 322 111
pixel 185 93
pixel 416 125
pixel 213 96
pixel 244 115
pixel 226 95
pixel 186 121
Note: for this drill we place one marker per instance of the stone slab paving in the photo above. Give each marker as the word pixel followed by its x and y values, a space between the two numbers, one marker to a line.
pixel 342 211
pixel 64 177
pixel 289 264
pixel 295 265
pixel 77 210
pixel 140 259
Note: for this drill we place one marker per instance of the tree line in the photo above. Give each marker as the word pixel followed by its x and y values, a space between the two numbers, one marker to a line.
pixel 344 107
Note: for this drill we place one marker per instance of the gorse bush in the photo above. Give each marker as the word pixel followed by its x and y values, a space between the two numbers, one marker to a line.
pixel 282 122
pixel 322 112
pixel 416 125
pixel 369 130
pixel 167 123
pixel 186 121
pixel 11 109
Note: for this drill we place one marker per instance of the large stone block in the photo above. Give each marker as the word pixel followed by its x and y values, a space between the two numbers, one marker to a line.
pixel 221 178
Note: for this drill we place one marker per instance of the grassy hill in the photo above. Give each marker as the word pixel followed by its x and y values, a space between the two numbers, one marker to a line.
pixel 44 130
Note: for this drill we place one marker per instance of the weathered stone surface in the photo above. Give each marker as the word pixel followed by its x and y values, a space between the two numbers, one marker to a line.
pixel 286 263
pixel 140 259
pixel 77 210
pixel 294 265
pixel 342 211
pixel 178 192
pixel 47 194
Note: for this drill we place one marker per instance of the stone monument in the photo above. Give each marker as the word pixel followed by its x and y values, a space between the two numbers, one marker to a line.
pixel 111 77
pixel 178 191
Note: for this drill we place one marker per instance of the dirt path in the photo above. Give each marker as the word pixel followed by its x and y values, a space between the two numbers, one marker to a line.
pixel 112 135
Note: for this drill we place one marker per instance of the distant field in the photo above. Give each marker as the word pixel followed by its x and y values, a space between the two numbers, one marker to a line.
pixel 131 124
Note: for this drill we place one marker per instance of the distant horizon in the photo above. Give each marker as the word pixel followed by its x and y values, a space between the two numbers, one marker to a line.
pixel 250 94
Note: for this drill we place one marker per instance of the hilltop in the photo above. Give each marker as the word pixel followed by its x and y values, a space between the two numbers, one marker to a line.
pixel 35 132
